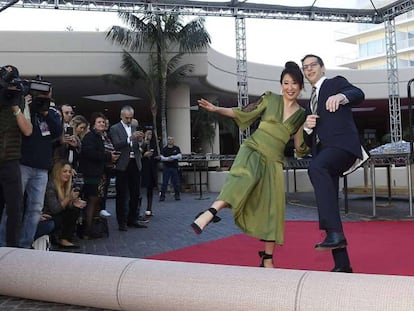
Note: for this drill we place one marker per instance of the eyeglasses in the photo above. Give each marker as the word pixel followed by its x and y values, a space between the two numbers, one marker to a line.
pixel 310 66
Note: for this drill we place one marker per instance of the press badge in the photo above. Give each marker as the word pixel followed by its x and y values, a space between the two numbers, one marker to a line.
pixel 44 128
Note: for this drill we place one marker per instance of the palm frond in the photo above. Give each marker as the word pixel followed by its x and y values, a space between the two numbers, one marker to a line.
pixel 194 36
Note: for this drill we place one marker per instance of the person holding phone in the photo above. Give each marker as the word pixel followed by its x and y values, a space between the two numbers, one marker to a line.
pixel 128 140
pixel 93 159
pixel 61 207
pixel 70 143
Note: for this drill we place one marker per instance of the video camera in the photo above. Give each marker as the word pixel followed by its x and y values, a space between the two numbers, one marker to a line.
pixel 12 88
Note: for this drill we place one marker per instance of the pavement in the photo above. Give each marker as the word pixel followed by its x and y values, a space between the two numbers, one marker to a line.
pixel 169 229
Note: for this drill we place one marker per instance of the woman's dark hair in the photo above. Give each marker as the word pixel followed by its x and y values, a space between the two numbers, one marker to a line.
pixel 95 116
pixel 292 69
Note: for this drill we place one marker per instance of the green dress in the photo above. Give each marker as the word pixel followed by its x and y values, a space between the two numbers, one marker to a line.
pixel 255 186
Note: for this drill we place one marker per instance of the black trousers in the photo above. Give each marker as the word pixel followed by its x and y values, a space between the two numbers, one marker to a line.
pixel 128 196
pixel 324 172
pixel 12 197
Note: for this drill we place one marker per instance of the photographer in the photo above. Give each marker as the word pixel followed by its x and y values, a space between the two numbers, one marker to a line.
pixel 14 121
pixel 36 158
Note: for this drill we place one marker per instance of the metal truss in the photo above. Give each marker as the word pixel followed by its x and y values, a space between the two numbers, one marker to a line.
pixel 393 82
pixel 241 61
pixel 228 9
pixel 242 10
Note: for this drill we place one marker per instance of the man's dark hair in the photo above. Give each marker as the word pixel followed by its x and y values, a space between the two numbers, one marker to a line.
pixel 320 61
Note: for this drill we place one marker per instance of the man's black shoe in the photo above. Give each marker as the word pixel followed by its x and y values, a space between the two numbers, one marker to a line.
pixel 333 240
pixel 177 198
pixel 162 198
pixel 123 227
pixel 342 269
pixel 136 225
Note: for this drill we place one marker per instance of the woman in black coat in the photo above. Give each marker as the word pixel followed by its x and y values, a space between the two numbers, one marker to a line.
pixel 93 159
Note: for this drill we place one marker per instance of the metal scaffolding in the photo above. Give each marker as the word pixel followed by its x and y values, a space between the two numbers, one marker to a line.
pixel 241 61
pixel 392 75
pixel 231 8
pixel 242 10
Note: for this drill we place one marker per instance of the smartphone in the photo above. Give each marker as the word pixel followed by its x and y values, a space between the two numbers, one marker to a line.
pixel 69 131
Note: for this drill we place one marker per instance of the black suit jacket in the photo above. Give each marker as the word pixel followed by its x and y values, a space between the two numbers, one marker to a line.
pixel 119 136
pixel 93 156
pixel 337 129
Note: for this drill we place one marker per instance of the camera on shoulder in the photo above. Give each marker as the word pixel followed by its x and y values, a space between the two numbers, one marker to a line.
pixel 12 88
pixel 41 92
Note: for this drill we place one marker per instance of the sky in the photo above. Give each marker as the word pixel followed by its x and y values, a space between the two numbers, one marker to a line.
pixel 267 41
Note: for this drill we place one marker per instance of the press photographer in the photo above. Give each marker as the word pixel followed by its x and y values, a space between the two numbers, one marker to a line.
pixel 37 152
pixel 14 121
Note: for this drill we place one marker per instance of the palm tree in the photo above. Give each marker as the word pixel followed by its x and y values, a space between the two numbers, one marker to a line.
pixel 134 72
pixel 160 33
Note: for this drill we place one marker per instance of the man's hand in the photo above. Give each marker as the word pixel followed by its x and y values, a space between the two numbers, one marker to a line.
pixel 137 135
pixel 310 122
pixel 149 153
pixel 45 217
pixel 333 102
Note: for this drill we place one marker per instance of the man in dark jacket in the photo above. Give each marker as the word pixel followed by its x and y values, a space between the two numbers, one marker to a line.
pixel 331 132
pixel 128 140
pixel 14 121
pixel 170 155
pixel 36 162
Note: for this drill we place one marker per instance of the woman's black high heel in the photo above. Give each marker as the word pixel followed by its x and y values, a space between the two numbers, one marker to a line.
pixel 197 229
pixel 264 256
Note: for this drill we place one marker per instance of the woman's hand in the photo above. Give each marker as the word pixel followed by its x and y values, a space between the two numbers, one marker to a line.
pixel 74 194
pixel 79 203
pixel 115 156
pixel 207 105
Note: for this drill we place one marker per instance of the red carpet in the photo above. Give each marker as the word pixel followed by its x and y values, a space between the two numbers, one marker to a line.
pixel 376 247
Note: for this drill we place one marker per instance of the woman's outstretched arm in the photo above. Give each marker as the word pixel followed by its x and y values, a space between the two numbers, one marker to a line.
pixel 228 112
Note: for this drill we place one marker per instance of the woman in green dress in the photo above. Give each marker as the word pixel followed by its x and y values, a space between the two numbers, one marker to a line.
pixel 255 187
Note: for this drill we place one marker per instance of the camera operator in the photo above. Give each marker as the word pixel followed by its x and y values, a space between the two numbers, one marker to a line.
pixel 37 156
pixel 14 121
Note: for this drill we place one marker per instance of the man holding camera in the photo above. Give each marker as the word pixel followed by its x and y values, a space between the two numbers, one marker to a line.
pixel 36 159
pixel 14 121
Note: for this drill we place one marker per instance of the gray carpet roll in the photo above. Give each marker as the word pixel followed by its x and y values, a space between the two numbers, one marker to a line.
pixel 137 284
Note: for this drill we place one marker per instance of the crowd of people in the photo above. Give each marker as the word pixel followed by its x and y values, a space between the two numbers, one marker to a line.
pixel 56 167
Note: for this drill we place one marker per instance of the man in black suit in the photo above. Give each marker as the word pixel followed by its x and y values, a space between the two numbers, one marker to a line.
pixel 331 132
pixel 128 141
